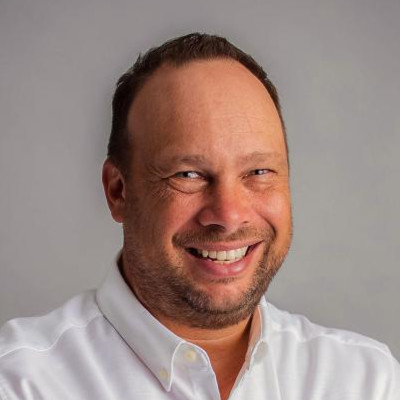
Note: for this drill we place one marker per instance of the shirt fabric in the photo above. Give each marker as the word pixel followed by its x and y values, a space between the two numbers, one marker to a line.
pixel 104 344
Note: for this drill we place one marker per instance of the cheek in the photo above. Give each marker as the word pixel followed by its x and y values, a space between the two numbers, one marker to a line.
pixel 179 212
pixel 167 214
pixel 277 211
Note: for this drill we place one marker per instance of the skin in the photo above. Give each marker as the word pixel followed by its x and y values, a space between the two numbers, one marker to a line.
pixel 209 170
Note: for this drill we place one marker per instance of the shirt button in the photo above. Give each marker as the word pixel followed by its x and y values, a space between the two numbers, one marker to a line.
pixel 163 374
pixel 190 356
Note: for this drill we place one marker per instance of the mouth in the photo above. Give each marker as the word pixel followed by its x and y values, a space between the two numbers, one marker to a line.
pixel 222 256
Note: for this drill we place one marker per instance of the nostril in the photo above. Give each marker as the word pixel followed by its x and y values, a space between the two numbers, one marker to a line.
pixel 228 219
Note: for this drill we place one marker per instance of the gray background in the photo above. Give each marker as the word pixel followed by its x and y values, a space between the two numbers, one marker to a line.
pixel 336 64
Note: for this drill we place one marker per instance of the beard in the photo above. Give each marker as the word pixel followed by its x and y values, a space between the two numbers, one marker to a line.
pixel 165 289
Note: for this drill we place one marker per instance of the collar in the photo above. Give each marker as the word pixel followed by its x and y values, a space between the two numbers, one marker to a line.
pixel 151 341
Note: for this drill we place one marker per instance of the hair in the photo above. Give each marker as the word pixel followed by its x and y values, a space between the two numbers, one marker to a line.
pixel 176 52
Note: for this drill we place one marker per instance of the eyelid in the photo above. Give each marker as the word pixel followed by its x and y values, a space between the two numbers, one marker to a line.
pixel 253 172
pixel 180 174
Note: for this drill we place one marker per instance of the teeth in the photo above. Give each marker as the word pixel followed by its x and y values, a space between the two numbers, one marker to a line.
pixel 224 257
pixel 212 254
pixel 221 255
pixel 231 254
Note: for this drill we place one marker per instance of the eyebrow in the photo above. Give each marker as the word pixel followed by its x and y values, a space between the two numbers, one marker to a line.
pixel 261 156
pixel 254 156
pixel 188 159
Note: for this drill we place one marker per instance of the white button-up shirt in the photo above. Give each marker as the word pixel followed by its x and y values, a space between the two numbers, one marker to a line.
pixel 105 345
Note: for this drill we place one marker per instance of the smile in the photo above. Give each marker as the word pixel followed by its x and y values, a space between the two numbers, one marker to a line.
pixel 223 256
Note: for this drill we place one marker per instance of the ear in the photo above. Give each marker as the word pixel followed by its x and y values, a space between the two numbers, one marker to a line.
pixel 114 189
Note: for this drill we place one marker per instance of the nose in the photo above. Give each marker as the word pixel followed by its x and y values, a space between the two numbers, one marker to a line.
pixel 227 207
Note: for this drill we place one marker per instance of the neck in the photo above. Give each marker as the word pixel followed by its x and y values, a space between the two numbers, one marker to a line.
pixel 225 347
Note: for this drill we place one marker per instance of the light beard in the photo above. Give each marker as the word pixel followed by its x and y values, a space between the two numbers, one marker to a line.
pixel 165 290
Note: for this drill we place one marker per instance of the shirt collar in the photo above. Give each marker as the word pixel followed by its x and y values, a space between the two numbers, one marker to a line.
pixel 265 324
pixel 152 342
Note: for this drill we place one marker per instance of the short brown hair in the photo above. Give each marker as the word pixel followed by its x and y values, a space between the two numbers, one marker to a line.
pixel 177 51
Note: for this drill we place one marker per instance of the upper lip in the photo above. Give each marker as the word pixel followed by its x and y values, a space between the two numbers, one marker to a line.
pixel 221 246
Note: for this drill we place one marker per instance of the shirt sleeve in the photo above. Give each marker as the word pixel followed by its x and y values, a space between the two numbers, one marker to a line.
pixel 395 389
pixel 3 394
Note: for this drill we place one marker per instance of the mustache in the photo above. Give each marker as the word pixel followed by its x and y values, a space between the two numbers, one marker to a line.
pixel 215 234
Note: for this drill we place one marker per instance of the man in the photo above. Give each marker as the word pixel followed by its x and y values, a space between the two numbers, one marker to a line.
pixel 198 175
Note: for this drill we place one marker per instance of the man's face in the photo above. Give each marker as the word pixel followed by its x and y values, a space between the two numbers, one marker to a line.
pixel 207 219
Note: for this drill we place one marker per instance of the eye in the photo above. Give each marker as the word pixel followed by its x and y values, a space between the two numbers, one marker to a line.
pixel 187 181
pixel 188 175
pixel 262 171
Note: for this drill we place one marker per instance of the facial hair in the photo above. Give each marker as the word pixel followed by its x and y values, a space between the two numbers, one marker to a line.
pixel 164 288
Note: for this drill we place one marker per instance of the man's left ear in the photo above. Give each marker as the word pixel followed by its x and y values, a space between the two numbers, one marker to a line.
pixel 114 189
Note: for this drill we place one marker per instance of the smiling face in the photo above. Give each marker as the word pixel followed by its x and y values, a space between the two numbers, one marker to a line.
pixel 206 205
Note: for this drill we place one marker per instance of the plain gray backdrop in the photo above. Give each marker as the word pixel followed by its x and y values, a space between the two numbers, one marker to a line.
pixel 336 65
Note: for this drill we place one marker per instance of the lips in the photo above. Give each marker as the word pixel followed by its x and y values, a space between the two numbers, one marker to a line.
pixel 223 263
pixel 223 256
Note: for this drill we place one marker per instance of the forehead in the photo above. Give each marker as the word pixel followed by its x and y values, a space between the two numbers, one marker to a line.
pixel 213 101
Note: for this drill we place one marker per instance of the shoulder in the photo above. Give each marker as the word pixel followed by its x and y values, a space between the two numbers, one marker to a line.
pixel 44 356
pixel 337 357
pixel 43 332
pixel 300 329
